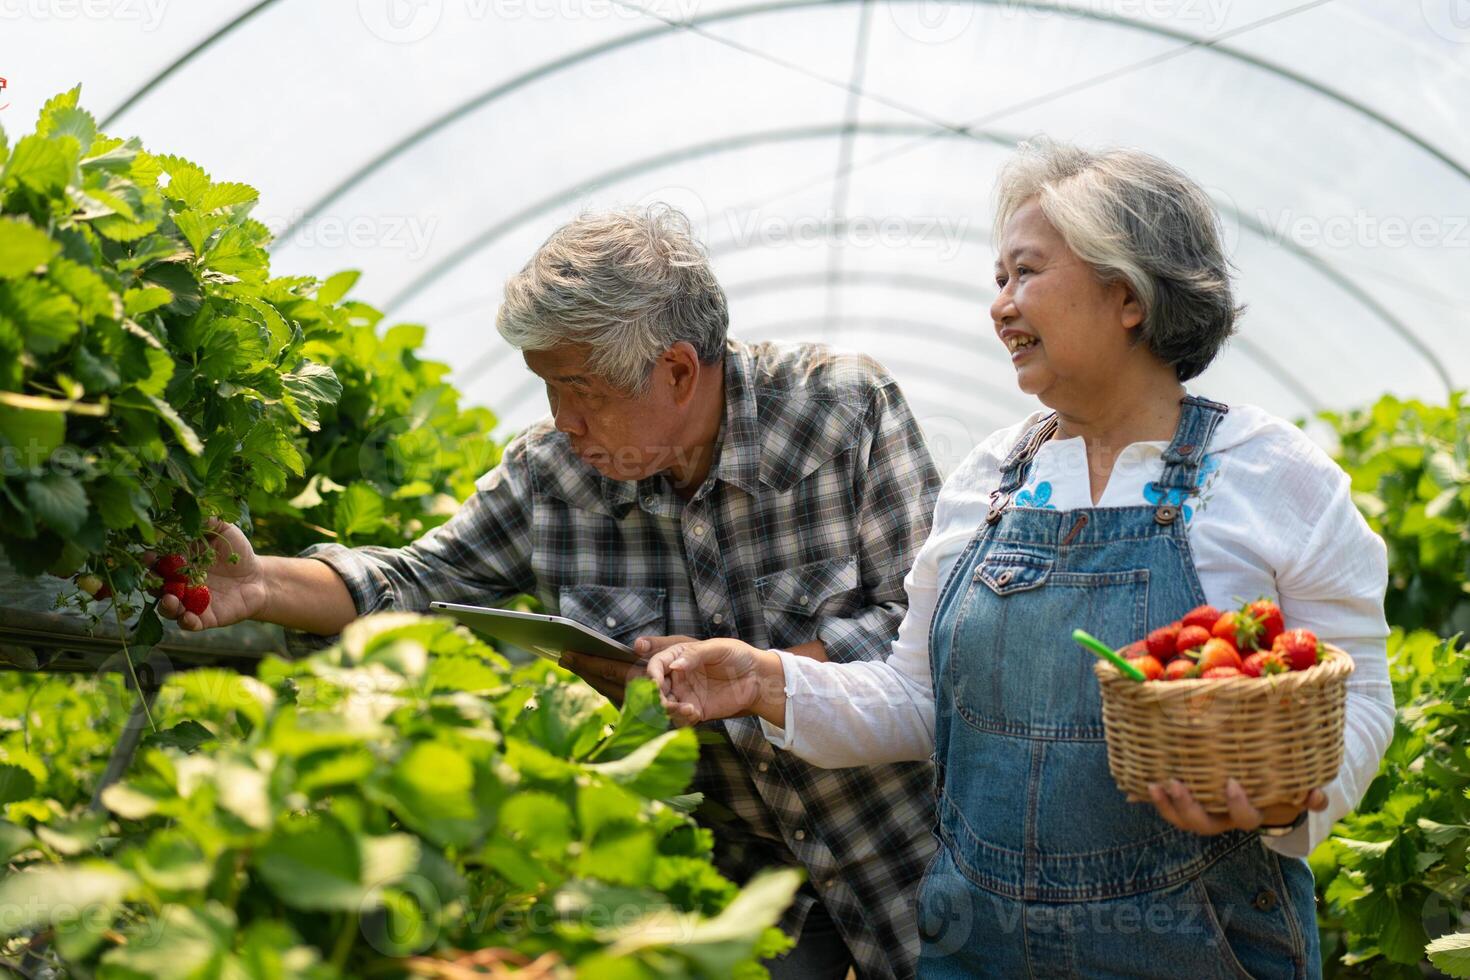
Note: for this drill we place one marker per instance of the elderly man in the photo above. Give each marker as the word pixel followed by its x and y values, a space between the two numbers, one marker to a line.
pixel 685 484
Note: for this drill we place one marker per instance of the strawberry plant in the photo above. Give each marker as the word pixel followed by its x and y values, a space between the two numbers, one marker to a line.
pixel 402 803
pixel 150 369
pixel 1393 876
pixel 1410 467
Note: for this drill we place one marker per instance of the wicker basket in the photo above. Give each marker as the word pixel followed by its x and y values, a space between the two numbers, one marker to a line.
pixel 1279 736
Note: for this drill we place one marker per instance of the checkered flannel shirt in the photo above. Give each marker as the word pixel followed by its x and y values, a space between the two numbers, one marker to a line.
pixel 821 495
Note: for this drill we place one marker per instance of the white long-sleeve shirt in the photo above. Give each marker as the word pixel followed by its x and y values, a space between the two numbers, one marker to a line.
pixel 1272 516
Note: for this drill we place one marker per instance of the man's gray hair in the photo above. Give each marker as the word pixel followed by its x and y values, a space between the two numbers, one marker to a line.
pixel 1135 218
pixel 627 284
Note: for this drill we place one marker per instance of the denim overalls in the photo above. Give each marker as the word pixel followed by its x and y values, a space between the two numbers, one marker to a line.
pixel 1044 869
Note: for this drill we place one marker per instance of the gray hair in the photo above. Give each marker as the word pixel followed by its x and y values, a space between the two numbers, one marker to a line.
pixel 628 284
pixel 1135 218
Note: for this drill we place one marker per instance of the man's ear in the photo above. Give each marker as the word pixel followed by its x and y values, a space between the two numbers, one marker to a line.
pixel 683 373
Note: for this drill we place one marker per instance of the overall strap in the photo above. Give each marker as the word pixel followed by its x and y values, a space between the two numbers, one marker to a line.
pixel 1013 470
pixel 1198 419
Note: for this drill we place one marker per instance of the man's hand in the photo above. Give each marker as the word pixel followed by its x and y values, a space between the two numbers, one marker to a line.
pixel 610 678
pixel 722 678
pixel 1177 805
pixel 237 590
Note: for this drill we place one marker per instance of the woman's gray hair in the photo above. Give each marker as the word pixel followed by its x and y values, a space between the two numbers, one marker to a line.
pixel 628 284
pixel 1135 218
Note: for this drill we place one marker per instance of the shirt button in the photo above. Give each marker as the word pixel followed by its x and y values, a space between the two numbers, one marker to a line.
pixel 764 766
pixel 806 600
pixel 699 531
pixel 649 501
pixel 718 618
pixel 611 622
pixel 829 882
pixel 1265 901
pixel 800 835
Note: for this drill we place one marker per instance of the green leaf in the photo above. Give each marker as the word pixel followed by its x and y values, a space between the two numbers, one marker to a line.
pixel 23 248
pixel 48 317
pixel 359 510
pixel 73 837
pixel 308 388
pixel 34 435
pixel 538 821
pixel 187 736
pixel 315 865
pixel 14 840
pixel 431 788
pixel 181 284
pixel 642 718
pixel 1451 954
pixel 145 299
pixel 43 165
pixel 659 768
pixel 186 435
pixel 15 783
pixel 86 287
pixel 37 896
pixel 336 287
pixel 185 942
pixel 59 500
pixel 566 719
pixel 226 195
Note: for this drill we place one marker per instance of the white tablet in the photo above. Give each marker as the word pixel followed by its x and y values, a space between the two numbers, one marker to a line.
pixel 545 636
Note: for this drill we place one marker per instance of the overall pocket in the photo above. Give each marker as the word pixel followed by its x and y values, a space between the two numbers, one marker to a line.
pixel 1013 666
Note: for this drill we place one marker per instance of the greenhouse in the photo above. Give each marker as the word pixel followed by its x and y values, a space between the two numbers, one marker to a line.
pixel 907 488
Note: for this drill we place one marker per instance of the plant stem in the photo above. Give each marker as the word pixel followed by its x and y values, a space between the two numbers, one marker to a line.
pixel 122 635
pixel 344 941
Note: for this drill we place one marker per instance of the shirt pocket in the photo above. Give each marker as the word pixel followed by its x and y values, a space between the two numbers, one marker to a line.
pixel 623 613
pixel 794 600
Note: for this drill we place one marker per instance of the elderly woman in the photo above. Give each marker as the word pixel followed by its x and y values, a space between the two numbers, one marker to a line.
pixel 1123 505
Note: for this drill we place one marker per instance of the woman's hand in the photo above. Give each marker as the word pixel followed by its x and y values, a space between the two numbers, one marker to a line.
pixel 1177 805
pixel 722 678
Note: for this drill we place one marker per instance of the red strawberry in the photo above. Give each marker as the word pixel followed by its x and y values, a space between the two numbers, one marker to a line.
pixel 1268 614
pixel 1161 641
pixel 105 592
pixel 1218 653
pixel 196 598
pixel 1204 616
pixel 1134 649
pixel 1240 628
pixel 1191 638
pixel 1263 663
pixel 1181 668
pixel 170 567
pixel 1149 665
pixel 1301 648
pixel 1220 673
pixel 176 588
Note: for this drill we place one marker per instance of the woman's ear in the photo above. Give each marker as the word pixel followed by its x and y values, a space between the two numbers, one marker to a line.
pixel 1130 314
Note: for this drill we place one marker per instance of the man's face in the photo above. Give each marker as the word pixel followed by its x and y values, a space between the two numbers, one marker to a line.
pixel 623 436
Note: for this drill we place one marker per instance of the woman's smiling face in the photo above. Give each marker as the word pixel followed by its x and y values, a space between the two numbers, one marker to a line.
pixel 1066 330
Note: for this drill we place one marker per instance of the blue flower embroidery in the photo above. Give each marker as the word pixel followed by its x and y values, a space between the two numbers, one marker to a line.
pixel 1036 498
pixel 1155 495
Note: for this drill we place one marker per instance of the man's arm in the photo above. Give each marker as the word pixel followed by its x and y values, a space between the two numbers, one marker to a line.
pixel 480 555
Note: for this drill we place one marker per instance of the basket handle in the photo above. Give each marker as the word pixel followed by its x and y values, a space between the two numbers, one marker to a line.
pixel 1104 652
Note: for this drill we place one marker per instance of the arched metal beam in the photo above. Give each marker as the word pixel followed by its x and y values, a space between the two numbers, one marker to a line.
pixel 525 78
pixel 182 60
pixel 743 141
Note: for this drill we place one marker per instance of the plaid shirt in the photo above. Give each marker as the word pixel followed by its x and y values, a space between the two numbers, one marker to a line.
pixel 820 497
